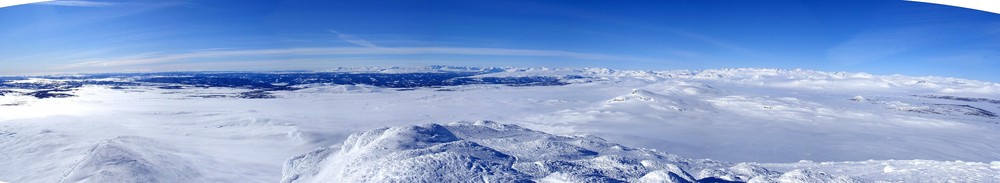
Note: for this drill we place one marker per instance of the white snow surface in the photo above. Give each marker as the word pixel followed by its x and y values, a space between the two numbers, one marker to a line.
pixel 486 151
pixel 848 126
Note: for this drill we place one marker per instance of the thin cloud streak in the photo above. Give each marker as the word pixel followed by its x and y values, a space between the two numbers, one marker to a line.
pixel 354 40
pixel 7 3
pixel 147 59
pixel 718 43
pixel 879 44
pixel 77 3
pixel 366 49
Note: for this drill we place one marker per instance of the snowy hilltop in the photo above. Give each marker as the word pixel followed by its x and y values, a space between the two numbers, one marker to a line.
pixel 486 151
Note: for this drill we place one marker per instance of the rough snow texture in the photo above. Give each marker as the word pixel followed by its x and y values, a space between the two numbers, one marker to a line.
pixel 483 151
pixel 486 151
pixel 132 159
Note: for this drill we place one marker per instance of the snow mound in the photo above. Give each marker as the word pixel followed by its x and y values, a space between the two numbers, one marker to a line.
pixel 669 102
pixel 678 87
pixel 132 159
pixel 424 153
pixel 637 95
pixel 800 175
pixel 486 151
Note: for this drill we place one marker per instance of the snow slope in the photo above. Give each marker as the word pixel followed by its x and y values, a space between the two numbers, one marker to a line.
pixel 132 159
pixel 486 151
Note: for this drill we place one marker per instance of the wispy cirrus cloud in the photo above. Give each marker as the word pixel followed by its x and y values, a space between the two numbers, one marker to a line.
pixel 156 58
pixel 353 40
pixel 364 48
pixel 908 36
pixel 76 3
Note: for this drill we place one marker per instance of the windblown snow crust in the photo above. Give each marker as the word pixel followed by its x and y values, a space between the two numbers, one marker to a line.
pixel 483 151
pixel 132 159
pixel 486 151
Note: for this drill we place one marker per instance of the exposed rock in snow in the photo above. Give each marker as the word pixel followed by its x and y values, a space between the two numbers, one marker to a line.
pixel 960 110
pixel 326 88
pixel 482 151
pixel 425 153
pixel 803 176
pixel 636 95
pixel 741 172
pixel 892 171
pixel 660 102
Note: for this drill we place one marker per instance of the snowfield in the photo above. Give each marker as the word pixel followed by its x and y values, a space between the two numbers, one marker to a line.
pixel 590 124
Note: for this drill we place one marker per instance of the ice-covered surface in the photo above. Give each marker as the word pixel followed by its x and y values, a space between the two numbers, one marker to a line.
pixel 240 127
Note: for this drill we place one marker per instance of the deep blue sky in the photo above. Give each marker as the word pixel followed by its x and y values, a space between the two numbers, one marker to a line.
pixel 881 37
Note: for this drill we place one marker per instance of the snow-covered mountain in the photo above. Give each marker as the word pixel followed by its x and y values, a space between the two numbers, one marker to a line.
pixel 244 126
pixel 486 151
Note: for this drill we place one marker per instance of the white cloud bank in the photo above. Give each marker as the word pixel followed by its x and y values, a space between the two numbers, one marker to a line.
pixel 992 6
pixel 7 3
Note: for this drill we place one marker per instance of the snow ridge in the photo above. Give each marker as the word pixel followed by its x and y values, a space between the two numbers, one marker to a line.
pixel 486 151
pixel 132 159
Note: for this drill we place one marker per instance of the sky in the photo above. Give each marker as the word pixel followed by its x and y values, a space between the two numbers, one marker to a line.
pixel 873 36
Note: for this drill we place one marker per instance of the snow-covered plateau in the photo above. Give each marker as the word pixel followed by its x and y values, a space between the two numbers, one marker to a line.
pixel 436 124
